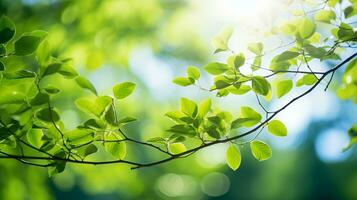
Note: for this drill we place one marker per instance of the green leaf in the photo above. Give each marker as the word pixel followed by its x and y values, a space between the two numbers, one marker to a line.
pixel 90 149
pixel 236 60
pixel 34 136
pixel 96 107
pixel 159 140
pixel 183 81
pixel 183 130
pixel 240 122
pixel 188 107
pixel 242 89
pixel 47 115
pixel 19 74
pixel 110 115
pixel 176 116
pixel 43 53
pixel 260 150
pixel 40 99
pixel 309 79
pixel 220 42
pixel 84 83
pixel 314 51
pixel 78 137
pixel 176 148
pixel 50 89
pixel 94 124
pixel 122 90
pixel 277 128
pixel 59 165
pixel 283 87
pixel 220 84
pixel 116 149
pixel 126 120
pixel 287 55
pixel 332 3
pixel 13 94
pixel 7 29
pixel 306 28
pixel 204 107
pixel 233 157
pixel 193 73
pixel 216 68
pixel 260 85
pixel 345 32
pixel 256 48
pixel 256 63
pixel 212 131
pixel 28 42
pixel 249 113
pixel 176 138
pixel 325 16
pixel 350 11
pixel 67 71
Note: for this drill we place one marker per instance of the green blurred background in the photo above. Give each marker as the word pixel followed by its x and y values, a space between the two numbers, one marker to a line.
pixel 149 42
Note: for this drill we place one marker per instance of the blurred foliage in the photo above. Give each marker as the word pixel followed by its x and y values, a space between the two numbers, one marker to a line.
pixel 105 32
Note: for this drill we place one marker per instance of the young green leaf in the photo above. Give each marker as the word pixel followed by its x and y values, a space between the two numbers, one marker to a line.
pixel 183 130
pixel 260 85
pixel 183 81
pixel 126 120
pixel 79 136
pixel 283 87
pixel 314 51
pixel 122 90
pixel 220 84
pixel 158 140
pixel 47 115
pixel 236 61
pixel 204 107
pixel 287 55
pixel 176 148
pixel 34 136
pixel 260 150
pixel 7 29
pixel 84 83
pixel 216 68
pixel 50 89
pixel 116 148
pixel 90 149
pixel 19 74
pixel 28 42
pixel 249 113
pixel 43 53
pixel 193 73
pixel 220 42
pixel 256 48
pixel 277 128
pixel 306 28
pixel 309 79
pixel 233 157
pixel 325 16
pixel 188 107
pixel 239 90
pixel 96 107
